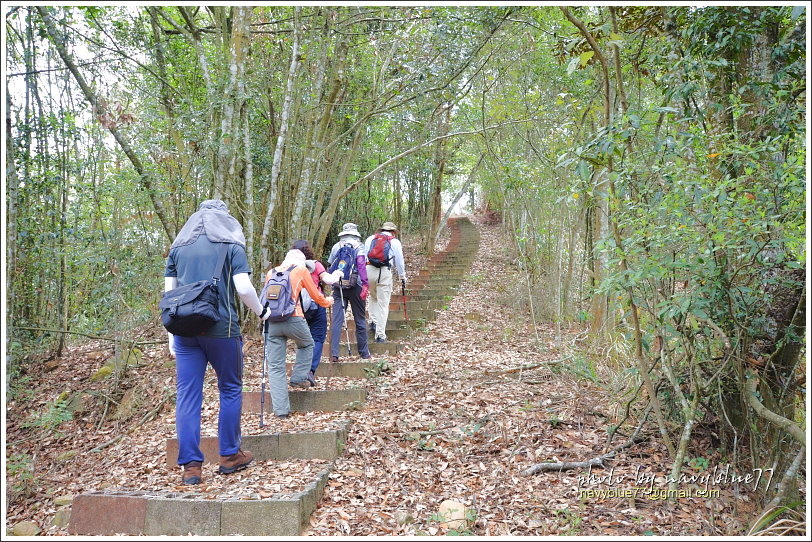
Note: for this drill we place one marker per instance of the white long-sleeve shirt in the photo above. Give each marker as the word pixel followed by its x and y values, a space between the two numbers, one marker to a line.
pixel 396 259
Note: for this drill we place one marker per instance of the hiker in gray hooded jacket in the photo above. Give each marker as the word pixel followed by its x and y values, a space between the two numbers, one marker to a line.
pixel 191 256
pixel 294 328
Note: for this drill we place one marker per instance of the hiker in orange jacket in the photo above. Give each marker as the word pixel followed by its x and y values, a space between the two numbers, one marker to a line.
pixel 315 315
pixel 295 328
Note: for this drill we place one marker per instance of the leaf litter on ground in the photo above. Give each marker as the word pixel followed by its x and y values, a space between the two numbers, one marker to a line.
pixel 457 417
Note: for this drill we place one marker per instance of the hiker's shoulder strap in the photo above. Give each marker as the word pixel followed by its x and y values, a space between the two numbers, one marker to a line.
pixel 217 272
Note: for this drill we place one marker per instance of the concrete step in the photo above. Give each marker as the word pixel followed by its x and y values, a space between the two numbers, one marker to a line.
pixel 376 349
pixel 181 514
pixel 412 314
pixel 277 446
pixel 309 400
pixel 395 322
pixel 422 305
pixel 357 369
pixel 429 282
pixel 392 334
pixel 447 267
pixel 424 295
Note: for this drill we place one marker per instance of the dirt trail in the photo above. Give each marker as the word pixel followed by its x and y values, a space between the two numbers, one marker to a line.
pixel 455 418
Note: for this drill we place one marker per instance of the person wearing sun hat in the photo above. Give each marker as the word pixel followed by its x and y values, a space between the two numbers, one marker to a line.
pixel 353 292
pixel 379 273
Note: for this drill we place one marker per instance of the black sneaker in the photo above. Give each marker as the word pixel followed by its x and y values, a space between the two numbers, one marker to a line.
pixel 334 358
pixel 380 340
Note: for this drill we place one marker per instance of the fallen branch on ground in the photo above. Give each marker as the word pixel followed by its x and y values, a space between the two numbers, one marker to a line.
pixel 526 367
pixel 90 336
pixel 147 417
pixel 420 433
pixel 560 466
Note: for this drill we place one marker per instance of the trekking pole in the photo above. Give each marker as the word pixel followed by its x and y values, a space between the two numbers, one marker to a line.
pixel 264 328
pixel 405 315
pixel 346 327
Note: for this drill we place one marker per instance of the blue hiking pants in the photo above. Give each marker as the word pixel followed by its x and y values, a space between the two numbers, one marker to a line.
pixel 317 321
pixel 192 356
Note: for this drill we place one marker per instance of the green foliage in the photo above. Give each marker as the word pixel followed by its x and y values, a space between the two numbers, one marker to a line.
pixel 379 368
pixel 580 366
pixel 569 520
pixel 19 388
pixel 22 481
pixel 699 463
pixel 56 414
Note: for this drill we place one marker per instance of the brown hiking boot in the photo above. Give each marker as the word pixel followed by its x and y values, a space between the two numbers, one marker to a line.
pixel 192 473
pixel 234 462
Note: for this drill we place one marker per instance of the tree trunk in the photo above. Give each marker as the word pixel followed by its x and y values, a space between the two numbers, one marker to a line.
pixel 99 107
pixel 326 218
pixel 280 143
pixel 12 195
pixel 183 163
pixel 398 198
pixel 228 168
pixel 315 149
pixel 440 159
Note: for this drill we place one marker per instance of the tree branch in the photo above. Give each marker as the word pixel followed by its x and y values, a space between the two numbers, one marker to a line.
pixel 416 148
pixel 560 466
pixel 111 339
pixel 146 182
pixel 752 399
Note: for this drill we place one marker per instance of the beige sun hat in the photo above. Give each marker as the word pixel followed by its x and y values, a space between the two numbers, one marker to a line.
pixel 389 226
pixel 349 229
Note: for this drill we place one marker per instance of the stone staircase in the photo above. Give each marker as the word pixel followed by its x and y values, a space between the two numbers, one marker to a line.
pixel 175 513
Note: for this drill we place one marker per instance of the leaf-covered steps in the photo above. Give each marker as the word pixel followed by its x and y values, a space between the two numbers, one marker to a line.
pixel 430 290
pixel 182 513
pixel 175 513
